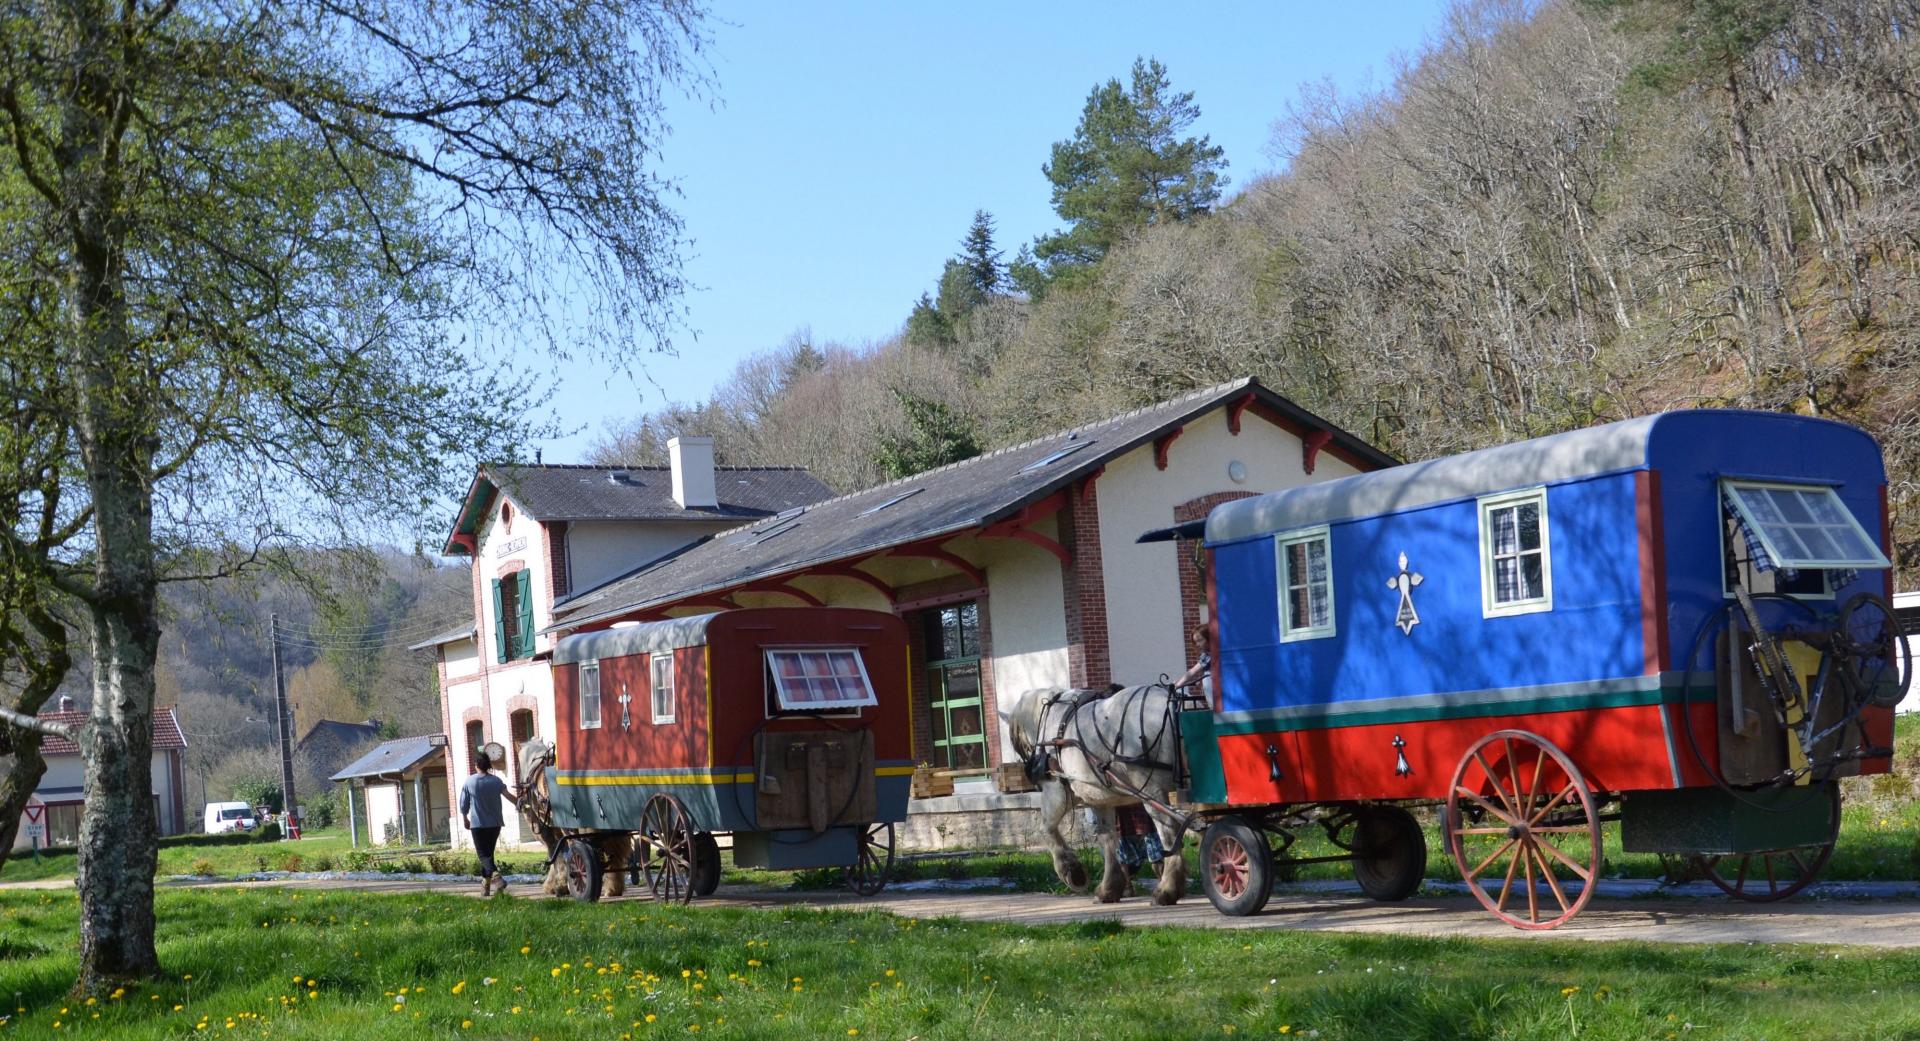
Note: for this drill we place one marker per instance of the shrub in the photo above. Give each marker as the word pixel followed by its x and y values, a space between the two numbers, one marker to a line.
pixel 322 862
pixel 268 832
pixel 447 862
pixel 291 861
pixel 203 866
pixel 356 859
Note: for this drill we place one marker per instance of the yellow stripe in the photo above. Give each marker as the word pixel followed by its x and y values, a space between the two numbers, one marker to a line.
pixel 913 740
pixel 606 779
pixel 733 778
pixel 707 651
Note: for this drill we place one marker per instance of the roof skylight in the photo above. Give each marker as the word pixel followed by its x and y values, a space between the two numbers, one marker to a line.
pixel 1056 456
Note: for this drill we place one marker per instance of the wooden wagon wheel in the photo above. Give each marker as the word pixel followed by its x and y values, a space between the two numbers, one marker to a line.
pixel 1236 867
pixel 1877 658
pixel 1519 815
pixel 666 843
pixel 584 869
pixel 873 862
pixel 1767 875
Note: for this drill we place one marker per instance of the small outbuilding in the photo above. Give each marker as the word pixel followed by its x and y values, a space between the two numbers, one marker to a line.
pixel 402 786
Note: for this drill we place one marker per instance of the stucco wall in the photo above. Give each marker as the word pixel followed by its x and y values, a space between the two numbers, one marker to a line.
pixel 601 550
pixel 1027 616
pixel 1143 582
pixel 462 658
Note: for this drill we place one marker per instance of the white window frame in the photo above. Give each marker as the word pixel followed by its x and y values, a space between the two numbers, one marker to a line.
pixel 1289 633
pixel 1489 585
pixel 656 683
pixel 779 692
pixel 1730 485
pixel 591 668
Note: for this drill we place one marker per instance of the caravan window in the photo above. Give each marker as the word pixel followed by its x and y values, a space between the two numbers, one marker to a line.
pixel 1306 585
pixel 660 679
pixel 1803 527
pixel 815 680
pixel 1516 555
pixel 589 695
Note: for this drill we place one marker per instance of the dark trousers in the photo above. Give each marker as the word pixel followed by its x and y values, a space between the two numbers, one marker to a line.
pixel 484 839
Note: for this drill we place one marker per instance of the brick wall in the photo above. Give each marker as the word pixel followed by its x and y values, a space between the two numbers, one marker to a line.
pixel 1193 592
pixel 1084 586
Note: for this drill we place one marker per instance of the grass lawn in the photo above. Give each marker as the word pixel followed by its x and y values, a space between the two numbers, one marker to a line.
pixel 238 854
pixel 346 966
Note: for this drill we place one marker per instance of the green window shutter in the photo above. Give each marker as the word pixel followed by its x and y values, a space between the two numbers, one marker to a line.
pixel 499 626
pixel 525 650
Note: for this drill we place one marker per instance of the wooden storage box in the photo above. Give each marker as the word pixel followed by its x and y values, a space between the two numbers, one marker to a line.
pixel 929 783
pixel 1009 778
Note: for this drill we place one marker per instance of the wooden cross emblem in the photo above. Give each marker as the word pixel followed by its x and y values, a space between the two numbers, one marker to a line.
pixel 1404 582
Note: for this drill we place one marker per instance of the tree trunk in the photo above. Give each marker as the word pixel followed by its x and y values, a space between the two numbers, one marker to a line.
pixel 47 666
pixel 115 422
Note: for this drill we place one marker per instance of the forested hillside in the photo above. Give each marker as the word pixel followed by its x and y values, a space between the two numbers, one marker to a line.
pixel 346 619
pixel 1556 214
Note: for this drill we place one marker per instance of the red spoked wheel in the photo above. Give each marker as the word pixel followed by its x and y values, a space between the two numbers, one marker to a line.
pixel 666 848
pixel 1522 825
pixel 1236 867
pixel 1767 875
pixel 873 860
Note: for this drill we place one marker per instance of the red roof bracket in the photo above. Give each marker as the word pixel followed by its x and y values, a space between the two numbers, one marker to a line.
pixel 850 571
pixel 1311 445
pixel 1235 409
pixel 1028 535
pixel 1164 442
pixel 789 589
pixel 944 556
pixel 1086 483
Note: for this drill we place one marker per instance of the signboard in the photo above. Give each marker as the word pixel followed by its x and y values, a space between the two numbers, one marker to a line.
pixel 36 818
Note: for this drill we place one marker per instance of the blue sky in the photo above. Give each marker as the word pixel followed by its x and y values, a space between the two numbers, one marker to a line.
pixel 848 145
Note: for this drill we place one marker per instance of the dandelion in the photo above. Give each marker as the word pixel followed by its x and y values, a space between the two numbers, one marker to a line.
pixel 1286 1028
pixel 526 950
pixel 553 972
pixel 460 986
pixel 651 1017
pixel 889 972
pixel 853 1031
pixel 466 1024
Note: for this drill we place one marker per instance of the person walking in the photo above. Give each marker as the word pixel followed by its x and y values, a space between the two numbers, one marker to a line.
pixel 480 807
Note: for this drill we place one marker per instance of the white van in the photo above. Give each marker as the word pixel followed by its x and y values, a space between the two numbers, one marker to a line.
pixel 230 816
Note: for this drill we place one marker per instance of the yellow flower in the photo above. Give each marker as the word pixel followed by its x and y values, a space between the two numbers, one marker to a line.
pixel 460 986
pixel 889 972
pixel 525 950
pixel 1286 1028
pixel 853 1031
pixel 553 972
pixel 651 1017
pixel 466 1024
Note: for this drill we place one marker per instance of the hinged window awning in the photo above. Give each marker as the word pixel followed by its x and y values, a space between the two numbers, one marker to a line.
pixel 1803 526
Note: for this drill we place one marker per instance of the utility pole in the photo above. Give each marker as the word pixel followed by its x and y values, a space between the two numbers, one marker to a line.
pixel 290 826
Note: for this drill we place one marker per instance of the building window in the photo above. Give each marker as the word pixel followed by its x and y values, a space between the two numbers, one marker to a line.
pixel 1306 585
pixel 820 680
pixel 1516 555
pixel 953 676
pixel 513 616
pixel 589 695
pixel 660 677
pixel 476 742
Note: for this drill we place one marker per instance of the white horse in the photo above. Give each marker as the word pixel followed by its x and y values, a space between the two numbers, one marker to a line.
pixel 1102 750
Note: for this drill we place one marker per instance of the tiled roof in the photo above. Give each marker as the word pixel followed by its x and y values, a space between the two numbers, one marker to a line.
pixel 166 732
pixel 946 500
pixel 588 493
pixel 398 756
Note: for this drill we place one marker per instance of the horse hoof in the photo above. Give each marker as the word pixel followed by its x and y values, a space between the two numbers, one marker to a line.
pixel 1164 898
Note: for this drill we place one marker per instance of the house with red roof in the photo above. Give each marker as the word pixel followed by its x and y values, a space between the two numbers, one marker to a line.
pixel 62 786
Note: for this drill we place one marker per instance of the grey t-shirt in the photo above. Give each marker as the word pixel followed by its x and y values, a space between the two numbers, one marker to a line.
pixel 480 801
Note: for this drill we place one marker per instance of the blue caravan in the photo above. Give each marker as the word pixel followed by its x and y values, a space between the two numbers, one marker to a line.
pixel 1680 620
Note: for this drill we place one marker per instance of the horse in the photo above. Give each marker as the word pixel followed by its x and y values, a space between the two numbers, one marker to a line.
pixel 536 755
pixel 1102 750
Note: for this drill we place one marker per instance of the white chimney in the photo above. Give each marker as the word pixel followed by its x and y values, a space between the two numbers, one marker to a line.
pixel 692 471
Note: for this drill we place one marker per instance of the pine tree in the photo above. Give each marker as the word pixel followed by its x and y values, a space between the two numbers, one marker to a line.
pixel 981 259
pixel 1127 166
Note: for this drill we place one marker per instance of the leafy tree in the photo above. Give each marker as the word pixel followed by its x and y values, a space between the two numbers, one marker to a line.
pixel 935 436
pixel 260 221
pixel 1127 166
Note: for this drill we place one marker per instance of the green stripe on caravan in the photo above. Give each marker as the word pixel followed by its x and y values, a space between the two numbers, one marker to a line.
pixel 1625 692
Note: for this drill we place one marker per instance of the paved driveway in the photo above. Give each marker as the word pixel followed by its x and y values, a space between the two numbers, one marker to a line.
pixel 1884 923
